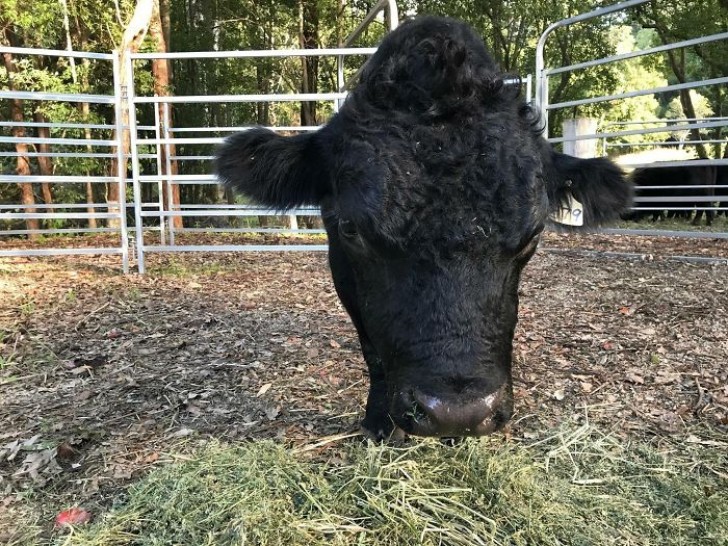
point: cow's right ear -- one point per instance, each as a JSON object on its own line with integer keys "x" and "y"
{"x": 273, "y": 170}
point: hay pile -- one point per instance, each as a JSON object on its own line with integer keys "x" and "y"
{"x": 578, "y": 486}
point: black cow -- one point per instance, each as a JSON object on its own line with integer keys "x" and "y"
{"x": 434, "y": 185}
{"x": 681, "y": 175}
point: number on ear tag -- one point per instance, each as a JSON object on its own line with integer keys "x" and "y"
{"x": 570, "y": 213}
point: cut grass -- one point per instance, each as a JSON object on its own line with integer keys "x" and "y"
{"x": 578, "y": 487}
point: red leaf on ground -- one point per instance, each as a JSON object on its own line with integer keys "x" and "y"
{"x": 72, "y": 516}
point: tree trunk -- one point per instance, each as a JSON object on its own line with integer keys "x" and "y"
{"x": 69, "y": 43}
{"x": 130, "y": 42}
{"x": 308, "y": 39}
{"x": 90, "y": 200}
{"x": 85, "y": 109}
{"x": 678, "y": 68}
{"x": 22, "y": 166}
{"x": 166, "y": 22}
{"x": 45, "y": 163}
{"x": 162, "y": 85}
{"x": 262, "y": 108}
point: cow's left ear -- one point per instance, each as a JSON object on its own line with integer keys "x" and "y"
{"x": 585, "y": 192}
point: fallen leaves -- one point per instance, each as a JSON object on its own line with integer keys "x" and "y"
{"x": 71, "y": 517}
{"x": 262, "y": 348}
{"x": 68, "y": 457}
{"x": 635, "y": 378}
{"x": 264, "y": 389}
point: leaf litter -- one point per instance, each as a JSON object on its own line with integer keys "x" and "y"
{"x": 104, "y": 377}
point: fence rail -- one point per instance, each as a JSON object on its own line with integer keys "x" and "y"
{"x": 151, "y": 156}
{"x": 162, "y": 157}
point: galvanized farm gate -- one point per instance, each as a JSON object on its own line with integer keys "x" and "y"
{"x": 151, "y": 155}
{"x": 90, "y": 141}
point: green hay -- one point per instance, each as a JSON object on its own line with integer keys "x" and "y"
{"x": 578, "y": 488}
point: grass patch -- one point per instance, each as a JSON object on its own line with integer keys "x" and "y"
{"x": 578, "y": 487}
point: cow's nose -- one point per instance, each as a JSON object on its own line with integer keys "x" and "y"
{"x": 436, "y": 416}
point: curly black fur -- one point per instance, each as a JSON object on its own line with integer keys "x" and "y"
{"x": 434, "y": 183}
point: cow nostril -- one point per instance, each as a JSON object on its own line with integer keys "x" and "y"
{"x": 429, "y": 404}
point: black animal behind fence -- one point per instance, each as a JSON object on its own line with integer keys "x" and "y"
{"x": 675, "y": 201}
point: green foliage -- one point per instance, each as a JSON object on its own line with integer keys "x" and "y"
{"x": 671, "y": 21}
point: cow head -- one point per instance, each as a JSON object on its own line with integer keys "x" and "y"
{"x": 434, "y": 185}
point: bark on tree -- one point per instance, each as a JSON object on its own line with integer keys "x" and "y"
{"x": 263, "y": 80}
{"x": 308, "y": 39}
{"x": 45, "y": 163}
{"x": 131, "y": 40}
{"x": 308, "y": 26}
{"x": 85, "y": 110}
{"x": 22, "y": 165}
{"x": 678, "y": 68}
{"x": 166, "y": 21}
{"x": 69, "y": 43}
{"x": 262, "y": 109}
{"x": 162, "y": 72}
{"x": 90, "y": 200}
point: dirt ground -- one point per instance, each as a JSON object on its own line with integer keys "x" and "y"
{"x": 103, "y": 376}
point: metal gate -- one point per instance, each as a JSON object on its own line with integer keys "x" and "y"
{"x": 152, "y": 156}
{"x": 151, "y": 179}
{"x": 651, "y": 198}
{"x": 95, "y": 142}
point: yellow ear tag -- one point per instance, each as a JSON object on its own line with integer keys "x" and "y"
{"x": 570, "y": 213}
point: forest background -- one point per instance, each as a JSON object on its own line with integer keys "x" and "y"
{"x": 510, "y": 29}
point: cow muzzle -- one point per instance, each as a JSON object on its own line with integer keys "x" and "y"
{"x": 423, "y": 414}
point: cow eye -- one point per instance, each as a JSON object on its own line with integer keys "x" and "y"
{"x": 347, "y": 228}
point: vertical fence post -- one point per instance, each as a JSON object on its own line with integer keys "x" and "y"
{"x": 119, "y": 99}
{"x": 577, "y": 127}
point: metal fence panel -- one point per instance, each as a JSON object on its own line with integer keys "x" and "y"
{"x": 150, "y": 159}
{"x": 668, "y": 194}
{"x": 89, "y": 140}
{"x": 164, "y": 156}
{"x": 185, "y": 147}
